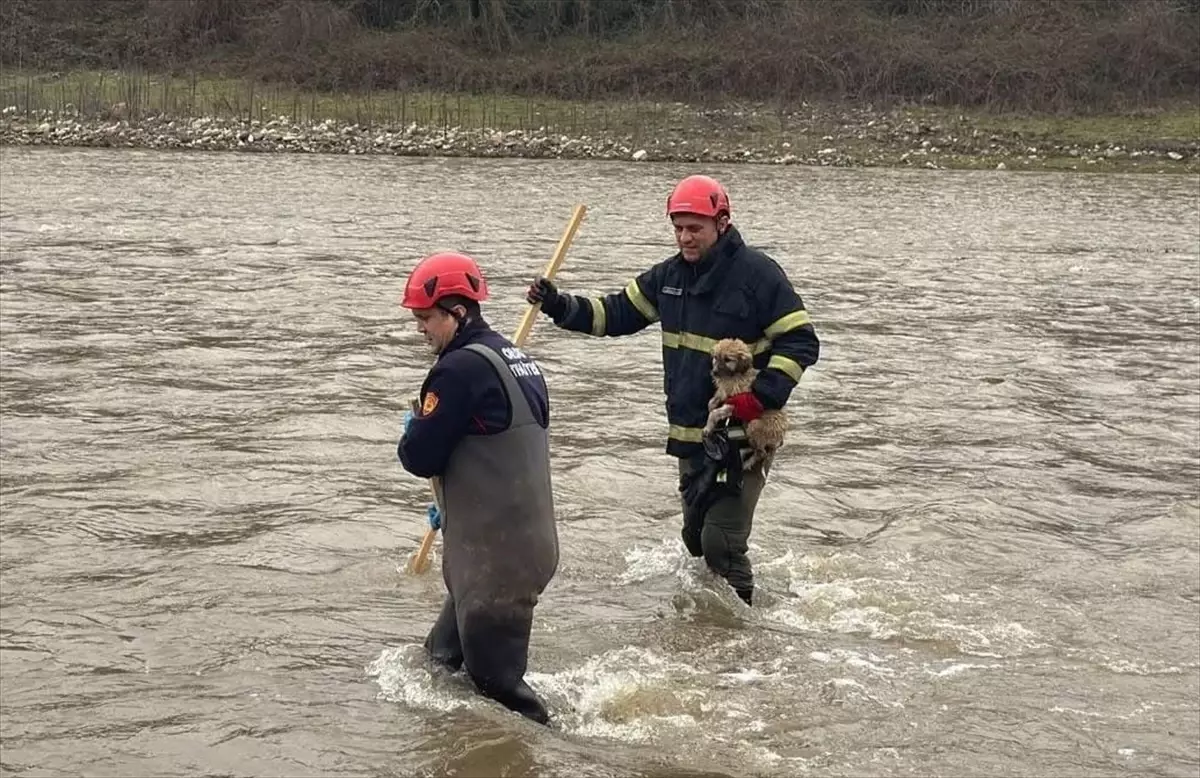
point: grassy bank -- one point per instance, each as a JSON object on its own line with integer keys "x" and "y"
{"x": 134, "y": 95}
{"x": 1037, "y": 56}
{"x": 1027, "y": 84}
{"x": 137, "y": 108}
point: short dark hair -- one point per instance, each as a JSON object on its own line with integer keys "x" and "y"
{"x": 451, "y": 300}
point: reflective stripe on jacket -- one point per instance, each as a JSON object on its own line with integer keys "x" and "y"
{"x": 735, "y": 291}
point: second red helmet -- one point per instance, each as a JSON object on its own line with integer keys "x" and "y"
{"x": 700, "y": 195}
{"x": 442, "y": 274}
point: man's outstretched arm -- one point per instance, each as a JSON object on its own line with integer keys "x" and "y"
{"x": 619, "y": 313}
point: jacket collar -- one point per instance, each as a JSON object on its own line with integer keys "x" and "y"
{"x": 711, "y": 269}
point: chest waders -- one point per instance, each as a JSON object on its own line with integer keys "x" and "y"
{"x": 500, "y": 550}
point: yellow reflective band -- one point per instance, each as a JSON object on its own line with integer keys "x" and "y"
{"x": 688, "y": 340}
{"x": 786, "y": 365}
{"x": 644, "y": 306}
{"x": 792, "y": 321}
{"x": 686, "y": 434}
{"x": 599, "y": 317}
{"x": 702, "y": 343}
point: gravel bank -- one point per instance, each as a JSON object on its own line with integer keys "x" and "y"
{"x": 858, "y": 139}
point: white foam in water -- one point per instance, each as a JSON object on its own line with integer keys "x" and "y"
{"x": 668, "y": 558}
{"x": 870, "y": 621}
{"x": 954, "y": 668}
{"x": 749, "y": 676}
{"x": 627, "y": 694}
{"x": 872, "y": 663}
{"x": 1140, "y": 710}
{"x": 1086, "y": 713}
{"x": 883, "y": 608}
{"x": 407, "y": 676}
{"x": 1125, "y": 667}
{"x": 818, "y": 606}
{"x": 697, "y": 584}
{"x": 633, "y": 694}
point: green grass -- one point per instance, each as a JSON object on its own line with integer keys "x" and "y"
{"x": 95, "y": 93}
{"x": 1173, "y": 124}
{"x": 761, "y": 128}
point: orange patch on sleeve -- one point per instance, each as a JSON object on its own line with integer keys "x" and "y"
{"x": 430, "y": 404}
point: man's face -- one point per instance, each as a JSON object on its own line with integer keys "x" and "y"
{"x": 438, "y": 326}
{"x": 696, "y": 234}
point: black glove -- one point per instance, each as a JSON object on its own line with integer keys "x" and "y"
{"x": 554, "y": 303}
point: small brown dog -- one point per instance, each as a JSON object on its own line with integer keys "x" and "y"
{"x": 733, "y": 372}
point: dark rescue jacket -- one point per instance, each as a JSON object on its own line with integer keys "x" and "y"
{"x": 734, "y": 291}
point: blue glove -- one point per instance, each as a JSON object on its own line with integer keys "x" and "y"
{"x": 408, "y": 420}
{"x": 435, "y": 516}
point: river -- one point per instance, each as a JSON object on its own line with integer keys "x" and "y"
{"x": 979, "y": 550}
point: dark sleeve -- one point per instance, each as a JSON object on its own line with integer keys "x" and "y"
{"x": 794, "y": 343}
{"x": 425, "y": 449}
{"x": 620, "y": 313}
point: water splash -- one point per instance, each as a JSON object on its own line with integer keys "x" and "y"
{"x": 631, "y": 695}
{"x": 406, "y": 675}
{"x": 628, "y": 694}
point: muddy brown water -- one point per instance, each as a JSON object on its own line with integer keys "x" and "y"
{"x": 979, "y": 549}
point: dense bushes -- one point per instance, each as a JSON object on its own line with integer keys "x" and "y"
{"x": 1073, "y": 55}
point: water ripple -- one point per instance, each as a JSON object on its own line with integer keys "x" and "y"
{"x": 979, "y": 543}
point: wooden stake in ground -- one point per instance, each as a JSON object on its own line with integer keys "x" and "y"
{"x": 419, "y": 562}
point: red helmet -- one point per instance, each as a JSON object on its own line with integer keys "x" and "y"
{"x": 699, "y": 195}
{"x": 442, "y": 274}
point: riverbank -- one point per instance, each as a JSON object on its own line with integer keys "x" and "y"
{"x": 94, "y": 110}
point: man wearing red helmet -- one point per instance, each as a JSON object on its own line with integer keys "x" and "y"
{"x": 715, "y": 287}
{"x": 482, "y": 428}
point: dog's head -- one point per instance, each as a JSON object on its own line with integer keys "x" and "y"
{"x": 731, "y": 357}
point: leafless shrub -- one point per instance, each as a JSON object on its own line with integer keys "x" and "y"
{"x": 1022, "y": 54}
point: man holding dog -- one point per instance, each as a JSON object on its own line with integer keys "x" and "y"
{"x": 714, "y": 287}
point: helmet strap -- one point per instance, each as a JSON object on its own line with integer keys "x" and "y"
{"x": 459, "y": 318}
